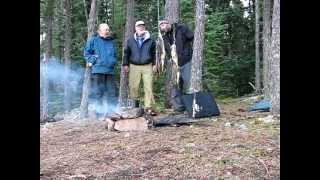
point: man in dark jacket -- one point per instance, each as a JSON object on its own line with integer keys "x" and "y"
{"x": 100, "y": 54}
{"x": 183, "y": 39}
{"x": 139, "y": 56}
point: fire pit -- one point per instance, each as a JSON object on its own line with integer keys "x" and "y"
{"x": 131, "y": 119}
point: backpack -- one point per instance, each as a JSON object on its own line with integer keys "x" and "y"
{"x": 205, "y": 105}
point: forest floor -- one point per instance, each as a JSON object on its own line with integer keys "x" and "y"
{"x": 236, "y": 145}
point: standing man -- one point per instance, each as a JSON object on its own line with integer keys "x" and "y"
{"x": 139, "y": 57}
{"x": 100, "y": 54}
{"x": 183, "y": 38}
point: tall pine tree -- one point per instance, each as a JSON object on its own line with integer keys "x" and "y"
{"x": 274, "y": 72}
{"x": 67, "y": 56}
{"x": 257, "y": 48}
{"x": 129, "y": 27}
{"x": 49, "y": 11}
{"x": 172, "y": 14}
{"x": 198, "y": 44}
{"x": 86, "y": 84}
{"x": 266, "y": 45}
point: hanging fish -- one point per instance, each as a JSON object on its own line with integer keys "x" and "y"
{"x": 162, "y": 51}
{"x": 174, "y": 58}
{"x": 157, "y": 58}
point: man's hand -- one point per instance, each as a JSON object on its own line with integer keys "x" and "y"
{"x": 154, "y": 68}
{"x": 126, "y": 69}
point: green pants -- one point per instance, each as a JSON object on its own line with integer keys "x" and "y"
{"x": 135, "y": 74}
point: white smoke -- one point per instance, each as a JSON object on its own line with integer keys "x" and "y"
{"x": 106, "y": 108}
{"x": 54, "y": 72}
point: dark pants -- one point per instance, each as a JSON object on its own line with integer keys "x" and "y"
{"x": 103, "y": 89}
{"x": 185, "y": 77}
{"x": 183, "y": 87}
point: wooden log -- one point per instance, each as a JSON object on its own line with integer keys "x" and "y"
{"x": 136, "y": 124}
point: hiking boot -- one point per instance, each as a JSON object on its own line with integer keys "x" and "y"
{"x": 140, "y": 112}
{"x": 149, "y": 119}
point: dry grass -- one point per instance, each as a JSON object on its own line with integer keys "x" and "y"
{"x": 83, "y": 149}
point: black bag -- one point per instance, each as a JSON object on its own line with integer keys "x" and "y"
{"x": 206, "y": 104}
{"x": 175, "y": 99}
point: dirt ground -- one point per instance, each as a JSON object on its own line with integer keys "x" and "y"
{"x": 235, "y": 145}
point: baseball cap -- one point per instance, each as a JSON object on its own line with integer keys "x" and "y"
{"x": 139, "y": 23}
{"x": 163, "y": 21}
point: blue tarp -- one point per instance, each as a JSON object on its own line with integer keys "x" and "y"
{"x": 263, "y": 105}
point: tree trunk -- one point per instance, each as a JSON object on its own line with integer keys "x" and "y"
{"x": 172, "y": 14}
{"x": 67, "y": 56}
{"x": 257, "y": 43}
{"x": 113, "y": 11}
{"x": 274, "y": 72}
{"x": 109, "y": 9}
{"x": 198, "y": 44}
{"x": 129, "y": 27}
{"x": 266, "y": 44}
{"x": 172, "y": 11}
{"x": 86, "y": 84}
{"x": 85, "y": 9}
{"x": 45, "y": 96}
{"x": 61, "y": 30}
{"x": 49, "y": 37}
{"x": 47, "y": 56}
{"x": 251, "y": 6}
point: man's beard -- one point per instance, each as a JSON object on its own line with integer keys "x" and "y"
{"x": 141, "y": 34}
